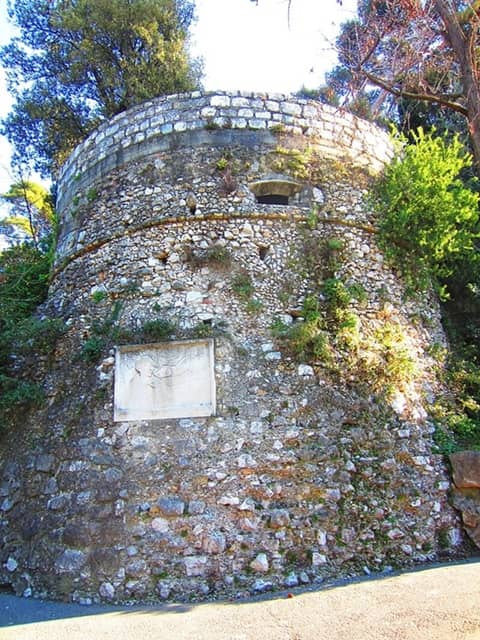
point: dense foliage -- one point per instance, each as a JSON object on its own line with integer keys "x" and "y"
{"x": 24, "y": 272}
{"x": 77, "y": 62}
{"x": 429, "y": 228}
{"x": 428, "y": 217}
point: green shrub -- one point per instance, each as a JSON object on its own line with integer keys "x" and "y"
{"x": 242, "y": 285}
{"x": 202, "y": 330}
{"x": 218, "y": 254}
{"x": 309, "y": 342}
{"x": 335, "y": 244}
{"x": 458, "y": 417}
{"x": 392, "y": 365}
{"x": 15, "y": 393}
{"x": 254, "y": 306}
{"x": 279, "y": 328}
{"x": 93, "y": 348}
{"x": 337, "y": 294}
{"x": 33, "y": 335}
{"x": 24, "y": 273}
{"x": 222, "y": 164}
{"x": 160, "y": 329}
{"x": 428, "y": 218}
{"x": 306, "y": 340}
{"x": 99, "y": 295}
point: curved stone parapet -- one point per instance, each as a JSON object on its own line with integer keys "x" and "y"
{"x": 149, "y": 127}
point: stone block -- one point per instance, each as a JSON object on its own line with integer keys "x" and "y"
{"x": 195, "y": 565}
{"x": 44, "y": 462}
{"x": 260, "y": 563}
{"x": 214, "y": 542}
{"x": 70, "y": 561}
{"x": 220, "y": 101}
{"x": 171, "y": 506}
{"x": 279, "y": 519}
{"x": 466, "y": 469}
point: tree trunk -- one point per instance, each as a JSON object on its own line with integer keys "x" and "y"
{"x": 462, "y": 42}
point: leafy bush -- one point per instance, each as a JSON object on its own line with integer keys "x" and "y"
{"x": 242, "y": 285}
{"x": 33, "y": 334}
{"x": 458, "y": 417}
{"x": 24, "y": 272}
{"x": 306, "y": 340}
{"x": 92, "y": 348}
{"x": 15, "y": 393}
{"x": 397, "y": 366}
{"x": 428, "y": 218}
{"x": 160, "y": 329}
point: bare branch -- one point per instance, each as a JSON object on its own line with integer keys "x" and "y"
{"x": 403, "y": 93}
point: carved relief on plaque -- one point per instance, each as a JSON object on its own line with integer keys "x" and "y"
{"x": 165, "y": 380}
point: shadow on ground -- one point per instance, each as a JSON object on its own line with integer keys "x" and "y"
{"x": 15, "y": 610}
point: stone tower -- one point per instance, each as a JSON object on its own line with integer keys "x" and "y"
{"x": 240, "y": 400}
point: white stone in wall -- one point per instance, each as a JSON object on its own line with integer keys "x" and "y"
{"x": 239, "y": 123}
{"x": 291, "y": 108}
{"x": 208, "y": 112}
{"x": 256, "y": 123}
{"x": 195, "y": 565}
{"x": 260, "y": 564}
{"x": 305, "y": 370}
{"x": 240, "y": 102}
{"x": 220, "y": 101}
{"x": 272, "y": 106}
{"x": 245, "y": 113}
{"x": 318, "y": 559}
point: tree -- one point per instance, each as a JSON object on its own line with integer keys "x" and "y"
{"x": 428, "y": 218}
{"x": 78, "y": 62}
{"x": 425, "y": 50}
{"x": 343, "y": 88}
{"x": 32, "y": 216}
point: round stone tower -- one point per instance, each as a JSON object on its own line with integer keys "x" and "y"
{"x": 240, "y": 400}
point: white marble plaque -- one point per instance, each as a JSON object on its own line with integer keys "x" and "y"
{"x": 164, "y": 380}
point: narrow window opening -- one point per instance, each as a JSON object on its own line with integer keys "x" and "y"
{"x": 207, "y": 322}
{"x": 272, "y": 198}
{"x": 191, "y": 203}
{"x": 163, "y": 257}
{"x": 263, "y": 252}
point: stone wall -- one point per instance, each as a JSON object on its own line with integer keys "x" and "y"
{"x": 147, "y": 128}
{"x": 310, "y": 467}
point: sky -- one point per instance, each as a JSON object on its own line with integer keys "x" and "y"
{"x": 244, "y": 45}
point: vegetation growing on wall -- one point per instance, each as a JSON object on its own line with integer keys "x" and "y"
{"x": 104, "y": 335}
{"x": 330, "y": 335}
{"x": 429, "y": 229}
{"x": 306, "y": 165}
